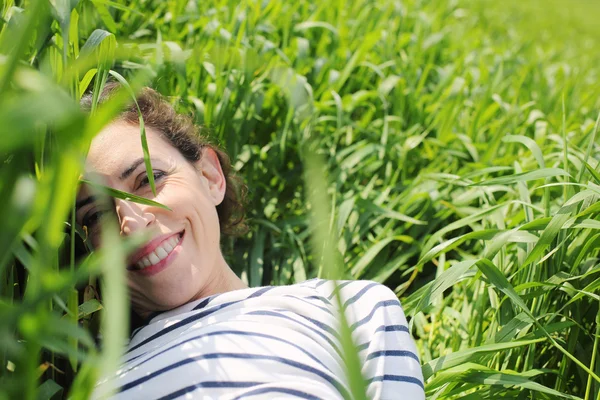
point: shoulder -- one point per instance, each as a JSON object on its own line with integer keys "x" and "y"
{"x": 355, "y": 293}
{"x": 369, "y": 307}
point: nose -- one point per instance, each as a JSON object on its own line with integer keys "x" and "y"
{"x": 133, "y": 217}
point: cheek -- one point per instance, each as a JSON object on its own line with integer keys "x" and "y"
{"x": 192, "y": 208}
{"x": 186, "y": 195}
{"x": 94, "y": 237}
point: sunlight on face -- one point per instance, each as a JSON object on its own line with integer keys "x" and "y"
{"x": 183, "y": 255}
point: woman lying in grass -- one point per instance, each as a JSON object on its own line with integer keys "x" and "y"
{"x": 206, "y": 334}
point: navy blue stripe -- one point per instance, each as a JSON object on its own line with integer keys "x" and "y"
{"x": 133, "y": 358}
{"x": 323, "y": 299}
{"x": 393, "y": 353}
{"x": 199, "y": 306}
{"x": 357, "y": 296}
{"x": 292, "y": 392}
{"x": 279, "y": 315}
{"x": 211, "y": 356}
{"x": 182, "y": 323}
{"x": 398, "y": 378}
{"x": 203, "y": 303}
{"x": 211, "y": 385}
{"x": 136, "y": 330}
{"x": 260, "y": 292}
{"x": 385, "y": 303}
{"x": 320, "y": 324}
{"x": 339, "y": 287}
{"x": 321, "y": 282}
{"x": 257, "y": 293}
{"x": 311, "y": 280}
{"x": 145, "y": 323}
{"x": 308, "y": 302}
{"x": 195, "y": 317}
{"x": 392, "y": 328}
{"x": 229, "y": 332}
{"x": 363, "y": 346}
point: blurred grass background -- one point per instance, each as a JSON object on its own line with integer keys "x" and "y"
{"x": 461, "y": 149}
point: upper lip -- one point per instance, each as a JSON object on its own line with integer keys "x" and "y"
{"x": 149, "y": 247}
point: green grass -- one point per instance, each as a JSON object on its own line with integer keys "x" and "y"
{"x": 462, "y": 156}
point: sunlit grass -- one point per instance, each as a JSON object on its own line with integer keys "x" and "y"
{"x": 461, "y": 148}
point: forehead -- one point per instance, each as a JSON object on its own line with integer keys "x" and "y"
{"x": 119, "y": 144}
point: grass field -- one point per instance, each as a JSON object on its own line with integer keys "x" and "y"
{"x": 455, "y": 141}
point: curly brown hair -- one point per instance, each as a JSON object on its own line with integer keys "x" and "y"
{"x": 189, "y": 139}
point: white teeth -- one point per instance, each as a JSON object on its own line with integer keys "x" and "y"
{"x": 159, "y": 254}
{"x": 153, "y": 258}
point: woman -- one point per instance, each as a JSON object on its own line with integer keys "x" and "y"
{"x": 207, "y": 334}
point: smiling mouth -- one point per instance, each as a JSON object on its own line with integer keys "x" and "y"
{"x": 158, "y": 254}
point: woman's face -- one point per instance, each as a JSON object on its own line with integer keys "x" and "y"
{"x": 183, "y": 256}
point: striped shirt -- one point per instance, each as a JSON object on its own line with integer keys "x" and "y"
{"x": 274, "y": 342}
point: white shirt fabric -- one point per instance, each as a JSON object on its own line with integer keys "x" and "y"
{"x": 274, "y": 342}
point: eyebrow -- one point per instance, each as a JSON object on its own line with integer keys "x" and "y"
{"x": 125, "y": 174}
{"x": 84, "y": 202}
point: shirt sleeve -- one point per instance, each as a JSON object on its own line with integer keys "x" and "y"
{"x": 388, "y": 354}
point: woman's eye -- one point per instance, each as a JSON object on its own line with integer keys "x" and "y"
{"x": 92, "y": 218}
{"x": 156, "y": 174}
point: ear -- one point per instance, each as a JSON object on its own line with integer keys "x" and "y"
{"x": 209, "y": 167}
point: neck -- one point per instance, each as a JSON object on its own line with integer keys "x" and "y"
{"x": 223, "y": 280}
